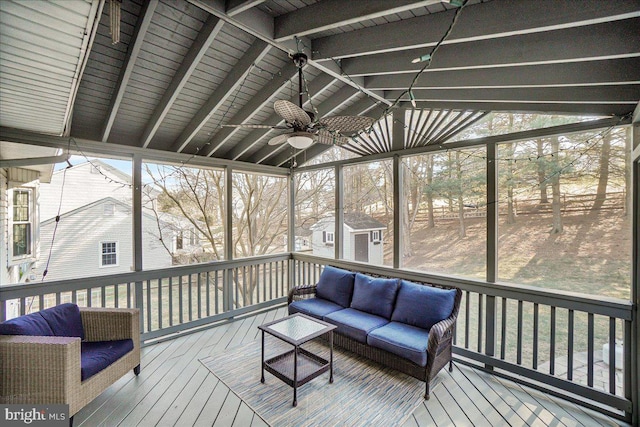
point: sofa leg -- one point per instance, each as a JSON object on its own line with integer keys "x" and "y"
{"x": 136, "y": 370}
{"x": 451, "y": 365}
{"x": 71, "y": 421}
{"x": 426, "y": 393}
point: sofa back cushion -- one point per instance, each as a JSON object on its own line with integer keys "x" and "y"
{"x": 31, "y": 324}
{"x": 374, "y": 295}
{"x": 421, "y": 305}
{"x": 61, "y": 321}
{"x": 65, "y": 320}
{"x": 335, "y": 285}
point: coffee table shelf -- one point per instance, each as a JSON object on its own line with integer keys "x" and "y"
{"x": 309, "y": 366}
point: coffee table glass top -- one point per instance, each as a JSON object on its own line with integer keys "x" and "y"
{"x": 297, "y": 327}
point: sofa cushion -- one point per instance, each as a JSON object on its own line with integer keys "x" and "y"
{"x": 64, "y": 320}
{"x": 95, "y": 356}
{"x": 422, "y": 306}
{"x": 31, "y": 324}
{"x": 316, "y": 307}
{"x": 406, "y": 341}
{"x": 335, "y": 285}
{"x": 355, "y": 324}
{"x": 374, "y": 295}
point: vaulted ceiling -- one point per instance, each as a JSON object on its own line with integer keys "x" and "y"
{"x": 183, "y": 69}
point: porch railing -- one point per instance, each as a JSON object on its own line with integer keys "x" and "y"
{"x": 553, "y": 341}
{"x": 170, "y": 300}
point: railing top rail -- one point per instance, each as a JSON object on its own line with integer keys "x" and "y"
{"x": 39, "y": 288}
{"x": 601, "y": 305}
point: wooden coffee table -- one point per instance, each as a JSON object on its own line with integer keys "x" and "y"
{"x": 297, "y": 366}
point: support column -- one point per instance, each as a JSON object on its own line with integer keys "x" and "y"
{"x": 632, "y": 382}
{"x": 227, "y": 303}
{"x": 398, "y": 143}
{"x": 339, "y": 213}
{"x": 492, "y": 247}
{"x": 291, "y": 228}
{"x": 136, "y": 194}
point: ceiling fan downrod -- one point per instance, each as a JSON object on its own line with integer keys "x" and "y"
{"x": 299, "y": 59}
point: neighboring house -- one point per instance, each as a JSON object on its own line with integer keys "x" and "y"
{"x": 302, "y": 242}
{"x": 19, "y": 208}
{"x": 107, "y": 249}
{"x": 363, "y": 238}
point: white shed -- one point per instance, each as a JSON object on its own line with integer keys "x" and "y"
{"x": 363, "y": 238}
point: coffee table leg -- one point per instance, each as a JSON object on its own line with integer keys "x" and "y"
{"x": 262, "y": 362}
{"x": 295, "y": 376}
{"x": 331, "y": 357}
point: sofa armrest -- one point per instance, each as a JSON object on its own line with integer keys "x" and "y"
{"x": 299, "y": 293}
{"x": 108, "y": 324}
{"x": 38, "y": 369}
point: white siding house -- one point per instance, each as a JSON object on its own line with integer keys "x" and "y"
{"x": 96, "y": 240}
{"x": 363, "y": 238}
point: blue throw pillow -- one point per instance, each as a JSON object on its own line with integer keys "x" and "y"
{"x": 31, "y": 324}
{"x": 373, "y": 295}
{"x": 64, "y": 320}
{"x": 335, "y": 285}
{"x": 423, "y": 306}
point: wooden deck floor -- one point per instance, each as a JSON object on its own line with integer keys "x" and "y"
{"x": 174, "y": 388}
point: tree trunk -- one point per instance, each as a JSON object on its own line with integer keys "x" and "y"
{"x": 406, "y": 222}
{"x": 603, "y": 172}
{"x": 463, "y": 231}
{"x": 555, "y": 188}
{"x": 430, "y": 161}
{"x": 627, "y": 174}
{"x": 511, "y": 212}
{"x": 542, "y": 183}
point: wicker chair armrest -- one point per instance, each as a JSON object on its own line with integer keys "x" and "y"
{"x": 109, "y": 324}
{"x": 38, "y": 369}
{"x": 440, "y": 333}
{"x": 298, "y": 292}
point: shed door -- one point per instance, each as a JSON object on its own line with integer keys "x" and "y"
{"x": 362, "y": 247}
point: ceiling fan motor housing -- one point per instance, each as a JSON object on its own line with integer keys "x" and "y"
{"x": 299, "y": 59}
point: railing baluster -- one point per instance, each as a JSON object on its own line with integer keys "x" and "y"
{"x": 612, "y": 355}
{"x": 519, "y": 343}
{"x": 552, "y": 344}
{"x": 570, "y": 347}
{"x": 503, "y": 329}
{"x": 148, "y": 309}
{"x": 170, "y": 301}
{"x": 129, "y": 300}
{"x": 190, "y": 299}
{"x": 199, "y": 296}
{"x": 236, "y": 283}
{"x": 103, "y": 296}
{"x": 89, "y": 298}
{"x": 264, "y": 281}
{"x": 116, "y": 297}
{"x": 270, "y": 280}
{"x": 466, "y": 319}
{"x": 208, "y": 294}
{"x": 536, "y": 318}
{"x": 74, "y": 297}
{"x": 23, "y": 306}
{"x": 215, "y": 287}
{"x": 58, "y": 298}
{"x": 180, "y": 306}
{"x": 159, "y": 282}
{"x": 590, "y": 344}
{"x": 480, "y": 328}
{"x": 41, "y": 302}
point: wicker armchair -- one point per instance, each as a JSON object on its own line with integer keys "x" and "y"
{"x": 439, "y": 345}
{"x": 46, "y": 369}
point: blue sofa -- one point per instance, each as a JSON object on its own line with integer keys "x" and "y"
{"x": 405, "y": 325}
{"x": 66, "y": 354}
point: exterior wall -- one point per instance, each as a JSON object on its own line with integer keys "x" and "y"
{"x": 349, "y": 244}
{"x": 81, "y": 187}
{"x": 4, "y": 228}
{"x": 76, "y": 252}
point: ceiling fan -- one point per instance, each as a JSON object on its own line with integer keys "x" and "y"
{"x": 305, "y": 129}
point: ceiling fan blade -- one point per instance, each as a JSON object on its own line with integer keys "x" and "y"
{"x": 346, "y": 124}
{"x": 248, "y": 126}
{"x": 329, "y": 138}
{"x": 291, "y": 113}
{"x": 277, "y": 140}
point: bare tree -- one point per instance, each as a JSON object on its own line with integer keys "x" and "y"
{"x": 556, "y": 228}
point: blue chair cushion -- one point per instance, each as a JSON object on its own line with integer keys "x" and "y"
{"x": 316, "y": 307}
{"x": 335, "y": 285}
{"x": 95, "y": 356}
{"x": 65, "y": 320}
{"x": 355, "y": 324}
{"x": 406, "y": 341}
{"x": 422, "y": 306}
{"x": 374, "y": 295}
{"x": 31, "y": 324}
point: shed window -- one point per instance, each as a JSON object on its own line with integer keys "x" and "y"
{"x": 375, "y": 236}
{"x": 109, "y": 254}
{"x": 327, "y": 237}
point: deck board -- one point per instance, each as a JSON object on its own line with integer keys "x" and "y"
{"x": 175, "y": 389}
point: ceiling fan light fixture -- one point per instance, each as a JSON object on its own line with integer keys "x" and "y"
{"x": 300, "y": 141}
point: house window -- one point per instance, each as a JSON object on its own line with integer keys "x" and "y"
{"x": 179, "y": 241}
{"x": 375, "y": 236}
{"x": 22, "y": 223}
{"x": 328, "y": 238}
{"x": 109, "y": 209}
{"x": 108, "y": 254}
